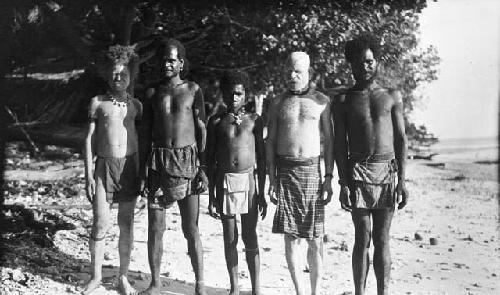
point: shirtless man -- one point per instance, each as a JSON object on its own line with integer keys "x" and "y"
{"x": 172, "y": 143}
{"x": 296, "y": 120}
{"x": 112, "y": 137}
{"x": 369, "y": 135}
{"x": 234, "y": 145}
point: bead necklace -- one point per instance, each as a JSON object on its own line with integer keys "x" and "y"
{"x": 119, "y": 103}
{"x": 237, "y": 117}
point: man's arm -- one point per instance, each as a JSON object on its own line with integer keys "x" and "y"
{"x": 211, "y": 164}
{"x": 327, "y": 130}
{"x": 199, "y": 123}
{"x": 89, "y": 149}
{"x": 340, "y": 149}
{"x": 146, "y": 132}
{"x": 260, "y": 153}
{"x": 271, "y": 142}
{"x": 400, "y": 145}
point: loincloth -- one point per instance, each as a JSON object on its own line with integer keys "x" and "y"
{"x": 119, "y": 176}
{"x": 373, "y": 181}
{"x": 235, "y": 192}
{"x": 170, "y": 174}
{"x": 300, "y": 210}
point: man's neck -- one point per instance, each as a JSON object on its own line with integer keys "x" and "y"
{"x": 119, "y": 95}
{"x": 365, "y": 85}
{"x": 174, "y": 81}
{"x": 236, "y": 111}
{"x": 299, "y": 92}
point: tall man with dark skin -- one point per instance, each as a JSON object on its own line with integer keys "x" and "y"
{"x": 370, "y": 149}
{"x": 172, "y": 144}
{"x": 234, "y": 145}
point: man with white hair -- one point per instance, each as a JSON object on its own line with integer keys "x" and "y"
{"x": 297, "y": 118}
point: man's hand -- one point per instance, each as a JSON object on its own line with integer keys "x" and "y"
{"x": 272, "y": 194}
{"x": 262, "y": 205}
{"x": 201, "y": 181}
{"x": 345, "y": 201}
{"x": 213, "y": 207}
{"x": 327, "y": 187}
{"x": 401, "y": 195}
{"x": 90, "y": 189}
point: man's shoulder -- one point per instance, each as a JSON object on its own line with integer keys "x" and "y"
{"x": 98, "y": 99}
{"x": 320, "y": 97}
{"x": 193, "y": 86}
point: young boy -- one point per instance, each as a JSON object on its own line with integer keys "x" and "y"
{"x": 112, "y": 137}
{"x": 234, "y": 145}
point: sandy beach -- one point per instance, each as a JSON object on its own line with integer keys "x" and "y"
{"x": 454, "y": 200}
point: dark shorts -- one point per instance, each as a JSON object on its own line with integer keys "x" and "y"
{"x": 373, "y": 184}
{"x": 119, "y": 176}
{"x": 221, "y": 193}
{"x": 170, "y": 174}
{"x": 300, "y": 211}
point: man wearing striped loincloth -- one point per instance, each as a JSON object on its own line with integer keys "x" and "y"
{"x": 297, "y": 118}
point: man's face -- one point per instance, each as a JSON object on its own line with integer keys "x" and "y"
{"x": 172, "y": 65}
{"x": 365, "y": 68}
{"x": 234, "y": 96}
{"x": 119, "y": 78}
{"x": 296, "y": 75}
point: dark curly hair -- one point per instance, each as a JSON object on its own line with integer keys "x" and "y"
{"x": 356, "y": 47}
{"x": 163, "y": 48}
{"x": 230, "y": 78}
{"x": 118, "y": 55}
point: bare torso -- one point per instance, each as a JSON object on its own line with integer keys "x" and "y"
{"x": 298, "y": 124}
{"x": 173, "y": 115}
{"x": 116, "y": 134}
{"x": 369, "y": 124}
{"x": 235, "y": 144}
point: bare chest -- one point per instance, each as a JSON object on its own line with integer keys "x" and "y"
{"x": 174, "y": 102}
{"x": 369, "y": 105}
{"x": 112, "y": 112}
{"x": 300, "y": 110}
{"x": 230, "y": 130}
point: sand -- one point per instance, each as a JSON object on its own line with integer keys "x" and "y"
{"x": 454, "y": 199}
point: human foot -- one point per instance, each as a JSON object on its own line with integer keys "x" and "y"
{"x": 151, "y": 290}
{"x": 200, "y": 288}
{"x": 91, "y": 285}
{"x": 124, "y": 286}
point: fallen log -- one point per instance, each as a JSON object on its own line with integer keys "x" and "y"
{"x": 60, "y": 134}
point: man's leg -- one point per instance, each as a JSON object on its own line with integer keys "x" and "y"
{"x": 189, "y": 209}
{"x": 381, "y": 255}
{"x": 292, "y": 259}
{"x": 315, "y": 261}
{"x": 360, "y": 252}
{"x": 156, "y": 228}
{"x": 230, "y": 251}
{"x": 100, "y": 225}
{"x": 249, "y": 236}
{"x": 125, "y": 242}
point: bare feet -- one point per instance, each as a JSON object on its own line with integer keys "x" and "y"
{"x": 91, "y": 285}
{"x": 124, "y": 286}
{"x": 200, "y": 288}
{"x": 151, "y": 290}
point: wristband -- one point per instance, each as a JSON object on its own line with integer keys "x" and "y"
{"x": 342, "y": 182}
{"x": 329, "y": 175}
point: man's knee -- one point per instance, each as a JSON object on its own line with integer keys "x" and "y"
{"x": 156, "y": 218}
{"x": 99, "y": 230}
{"x": 315, "y": 245}
{"x": 380, "y": 241}
{"x": 363, "y": 238}
{"x": 190, "y": 230}
{"x": 249, "y": 238}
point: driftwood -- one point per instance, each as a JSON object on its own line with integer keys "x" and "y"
{"x": 27, "y": 137}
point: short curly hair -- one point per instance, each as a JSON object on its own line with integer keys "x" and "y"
{"x": 163, "y": 47}
{"x": 230, "y": 78}
{"x": 356, "y": 47}
{"x": 118, "y": 55}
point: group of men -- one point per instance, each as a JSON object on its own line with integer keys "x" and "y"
{"x": 174, "y": 153}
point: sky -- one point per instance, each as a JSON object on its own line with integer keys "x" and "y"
{"x": 464, "y": 101}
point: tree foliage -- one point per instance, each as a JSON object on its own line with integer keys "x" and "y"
{"x": 252, "y": 35}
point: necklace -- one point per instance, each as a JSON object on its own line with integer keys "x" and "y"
{"x": 237, "y": 117}
{"x": 119, "y": 103}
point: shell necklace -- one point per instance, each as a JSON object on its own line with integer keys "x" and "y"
{"x": 119, "y": 103}
{"x": 237, "y": 116}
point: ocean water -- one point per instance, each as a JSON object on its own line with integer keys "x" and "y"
{"x": 472, "y": 148}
